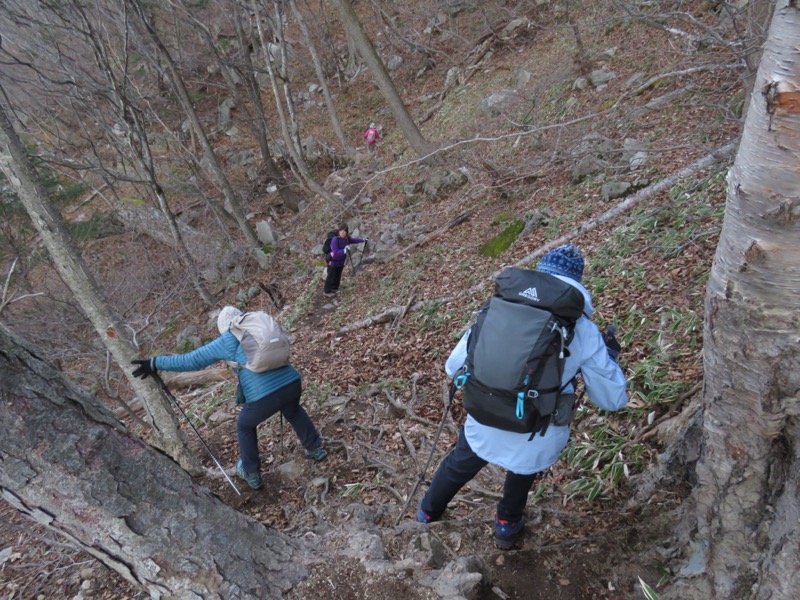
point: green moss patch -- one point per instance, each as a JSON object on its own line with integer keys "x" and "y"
{"x": 499, "y": 244}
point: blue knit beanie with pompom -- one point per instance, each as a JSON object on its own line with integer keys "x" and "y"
{"x": 565, "y": 260}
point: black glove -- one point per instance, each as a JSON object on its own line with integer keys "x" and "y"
{"x": 612, "y": 345}
{"x": 145, "y": 368}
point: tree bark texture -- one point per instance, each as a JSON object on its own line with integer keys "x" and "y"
{"x": 747, "y": 541}
{"x": 382, "y": 79}
{"x": 70, "y": 465}
{"x": 115, "y": 335}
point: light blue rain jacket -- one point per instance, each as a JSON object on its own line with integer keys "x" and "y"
{"x": 602, "y": 377}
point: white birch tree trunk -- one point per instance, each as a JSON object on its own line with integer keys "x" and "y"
{"x": 747, "y": 520}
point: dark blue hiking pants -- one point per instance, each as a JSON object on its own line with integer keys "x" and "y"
{"x": 287, "y": 401}
{"x": 458, "y": 468}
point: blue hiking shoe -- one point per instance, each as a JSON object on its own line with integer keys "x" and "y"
{"x": 507, "y": 532}
{"x": 423, "y": 517}
{"x": 317, "y": 454}
{"x": 252, "y": 479}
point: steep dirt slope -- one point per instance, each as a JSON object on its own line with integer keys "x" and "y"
{"x": 376, "y": 391}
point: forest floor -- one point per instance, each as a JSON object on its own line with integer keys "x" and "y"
{"x": 376, "y": 392}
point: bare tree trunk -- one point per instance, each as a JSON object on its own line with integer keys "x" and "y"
{"x": 140, "y": 147}
{"x": 246, "y": 73}
{"x": 121, "y": 501}
{"x": 382, "y": 79}
{"x": 233, "y": 204}
{"x": 290, "y": 135}
{"x": 747, "y": 534}
{"x": 115, "y": 334}
{"x": 323, "y": 81}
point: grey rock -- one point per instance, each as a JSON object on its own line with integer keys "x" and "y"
{"x": 293, "y": 470}
{"x": 594, "y": 143}
{"x": 187, "y": 340}
{"x": 498, "y": 103}
{"x": 221, "y": 415}
{"x": 588, "y": 165}
{"x": 581, "y": 83}
{"x": 441, "y": 183}
{"x": 600, "y": 77}
{"x": 634, "y": 153}
{"x": 460, "y": 578}
{"x": 454, "y": 77}
{"x": 614, "y": 189}
{"x": 265, "y": 234}
{"x": 394, "y": 63}
{"x": 242, "y": 159}
{"x": 513, "y": 25}
{"x": 520, "y": 79}
{"x": 225, "y": 121}
{"x": 428, "y": 550}
{"x": 634, "y": 80}
{"x": 365, "y": 545}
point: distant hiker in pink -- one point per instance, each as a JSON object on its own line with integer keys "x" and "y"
{"x": 371, "y": 136}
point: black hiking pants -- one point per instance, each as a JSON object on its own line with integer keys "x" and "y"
{"x": 333, "y": 279}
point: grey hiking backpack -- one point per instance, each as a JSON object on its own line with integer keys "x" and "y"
{"x": 265, "y": 344}
{"x": 516, "y": 353}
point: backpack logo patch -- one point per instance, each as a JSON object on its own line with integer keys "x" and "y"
{"x": 517, "y": 351}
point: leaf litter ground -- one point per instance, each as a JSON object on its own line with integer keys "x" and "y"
{"x": 376, "y": 392}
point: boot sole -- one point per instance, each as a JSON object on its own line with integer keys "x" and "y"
{"x": 505, "y": 543}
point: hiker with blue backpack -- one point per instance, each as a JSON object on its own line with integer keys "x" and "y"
{"x": 262, "y": 393}
{"x": 337, "y": 251}
{"x": 517, "y": 367}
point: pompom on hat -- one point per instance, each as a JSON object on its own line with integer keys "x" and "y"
{"x": 226, "y": 317}
{"x": 565, "y": 260}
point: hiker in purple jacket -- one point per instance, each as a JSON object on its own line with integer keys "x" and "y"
{"x": 338, "y": 258}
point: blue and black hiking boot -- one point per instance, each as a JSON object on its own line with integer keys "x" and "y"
{"x": 252, "y": 479}
{"x": 507, "y": 532}
{"x": 317, "y": 454}
{"x": 423, "y": 517}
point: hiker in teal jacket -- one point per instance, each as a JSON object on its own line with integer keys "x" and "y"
{"x": 263, "y": 394}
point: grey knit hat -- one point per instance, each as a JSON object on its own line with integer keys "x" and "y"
{"x": 226, "y": 317}
{"x": 565, "y": 260}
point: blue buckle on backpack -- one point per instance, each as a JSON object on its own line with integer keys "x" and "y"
{"x": 520, "y": 405}
{"x": 461, "y": 380}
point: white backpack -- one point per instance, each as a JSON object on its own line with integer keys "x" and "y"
{"x": 264, "y": 343}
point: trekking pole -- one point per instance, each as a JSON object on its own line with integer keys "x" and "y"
{"x": 350, "y": 258}
{"x": 448, "y": 400}
{"x": 202, "y": 441}
{"x": 281, "y": 435}
{"x": 364, "y": 251}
